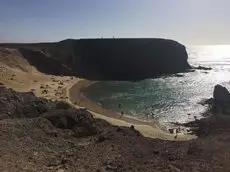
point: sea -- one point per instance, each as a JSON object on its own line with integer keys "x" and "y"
{"x": 168, "y": 99}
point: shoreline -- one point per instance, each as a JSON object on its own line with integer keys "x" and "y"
{"x": 81, "y": 100}
{"x": 148, "y": 129}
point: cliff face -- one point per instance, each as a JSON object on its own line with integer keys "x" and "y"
{"x": 112, "y": 59}
{"x": 124, "y": 59}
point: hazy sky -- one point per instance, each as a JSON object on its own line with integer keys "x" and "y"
{"x": 188, "y": 21}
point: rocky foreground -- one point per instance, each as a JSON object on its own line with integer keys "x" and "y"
{"x": 43, "y": 135}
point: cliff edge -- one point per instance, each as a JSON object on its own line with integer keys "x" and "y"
{"x": 107, "y": 59}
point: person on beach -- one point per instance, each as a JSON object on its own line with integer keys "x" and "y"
{"x": 176, "y": 132}
{"x": 122, "y": 113}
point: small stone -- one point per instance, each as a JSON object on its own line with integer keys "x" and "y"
{"x": 108, "y": 167}
{"x": 35, "y": 153}
{"x": 156, "y": 152}
{"x": 86, "y": 167}
{"x": 101, "y": 138}
{"x": 44, "y": 91}
{"x": 132, "y": 127}
{"x": 64, "y": 161}
{"x": 119, "y": 129}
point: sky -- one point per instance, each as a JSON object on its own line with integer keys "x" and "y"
{"x": 191, "y": 22}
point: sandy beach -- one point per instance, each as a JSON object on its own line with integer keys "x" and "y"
{"x": 148, "y": 129}
{"x": 69, "y": 89}
{"x": 19, "y": 75}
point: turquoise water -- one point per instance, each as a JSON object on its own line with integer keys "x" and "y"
{"x": 168, "y": 99}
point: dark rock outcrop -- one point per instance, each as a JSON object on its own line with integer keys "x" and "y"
{"x": 221, "y": 94}
{"x": 220, "y": 103}
{"x": 110, "y": 59}
{"x": 132, "y": 59}
{"x": 202, "y": 68}
{"x": 44, "y": 62}
{"x": 62, "y": 105}
{"x": 80, "y": 121}
{"x": 19, "y": 105}
{"x": 61, "y": 114}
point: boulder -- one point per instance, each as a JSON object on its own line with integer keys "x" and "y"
{"x": 20, "y": 105}
{"x": 221, "y": 94}
{"x": 80, "y": 121}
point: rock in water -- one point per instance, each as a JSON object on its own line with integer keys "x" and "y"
{"x": 221, "y": 94}
{"x": 203, "y": 68}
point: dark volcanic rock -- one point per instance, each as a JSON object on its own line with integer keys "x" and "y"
{"x": 202, "y": 68}
{"x": 18, "y": 105}
{"x": 61, "y": 114}
{"x": 131, "y": 59}
{"x": 220, "y": 103}
{"x": 44, "y": 62}
{"x": 79, "y": 120}
{"x": 63, "y": 105}
{"x": 221, "y": 94}
{"x": 217, "y": 119}
{"x": 111, "y": 59}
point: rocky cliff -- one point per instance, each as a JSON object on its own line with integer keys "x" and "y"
{"x": 112, "y": 59}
